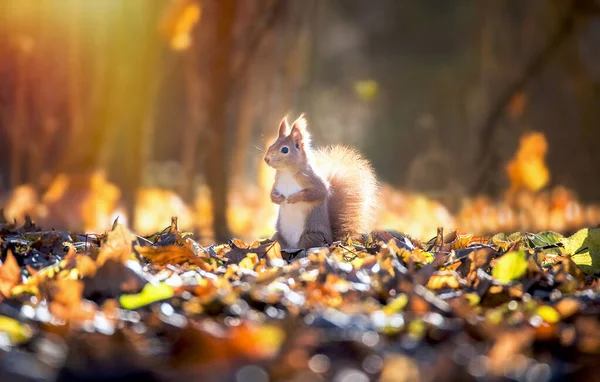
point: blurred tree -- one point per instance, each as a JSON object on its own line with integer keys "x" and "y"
{"x": 215, "y": 160}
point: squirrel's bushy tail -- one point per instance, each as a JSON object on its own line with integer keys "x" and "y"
{"x": 353, "y": 187}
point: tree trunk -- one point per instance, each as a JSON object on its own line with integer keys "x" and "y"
{"x": 215, "y": 163}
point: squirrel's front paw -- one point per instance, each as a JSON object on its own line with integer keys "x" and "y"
{"x": 294, "y": 198}
{"x": 277, "y": 198}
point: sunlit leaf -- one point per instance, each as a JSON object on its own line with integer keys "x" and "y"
{"x": 584, "y": 249}
{"x": 506, "y": 242}
{"x": 548, "y": 314}
{"x": 396, "y": 305}
{"x": 117, "y": 245}
{"x": 473, "y": 298}
{"x": 172, "y": 254}
{"x": 510, "y": 267}
{"x": 10, "y": 274}
{"x": 544, "y": 239}
{"x": 151, "y": 293}
{"x": 441, "y": 280}
{"x": 16, "y": 331}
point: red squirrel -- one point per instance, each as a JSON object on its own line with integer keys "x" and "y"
{"x": 323, "y": 195}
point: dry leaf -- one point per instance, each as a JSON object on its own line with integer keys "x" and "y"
{"x": 172, "y": 254}
{"x": 117, "y": 246}
{"x": 10, "y": 274}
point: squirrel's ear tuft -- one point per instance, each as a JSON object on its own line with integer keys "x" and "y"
{"x": 301, "y": 124}
{"x": 299, "y": 132}
{"x": 283, "y": 127}
{"x": 296, "y": 134}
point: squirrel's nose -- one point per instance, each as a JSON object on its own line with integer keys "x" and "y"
{"x": 267, "y": 160}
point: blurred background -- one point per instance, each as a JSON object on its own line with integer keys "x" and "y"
{"x": 481, "y": 116}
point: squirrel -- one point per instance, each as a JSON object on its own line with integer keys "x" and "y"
{"x": 323, "y": 195}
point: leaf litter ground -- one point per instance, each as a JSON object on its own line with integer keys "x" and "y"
{"x": 521, "y": 307}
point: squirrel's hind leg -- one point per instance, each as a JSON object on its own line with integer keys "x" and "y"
{"x": 317, "y": 229}
{"x": 312, "y": 239}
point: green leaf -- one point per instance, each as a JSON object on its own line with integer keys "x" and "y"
{"x": 151, "y": 293}
{"x": 584, "y": 248}
{"x": 15, "y": 330}
{"x": 510, "y": 267}
{"x": 544, "y": 239}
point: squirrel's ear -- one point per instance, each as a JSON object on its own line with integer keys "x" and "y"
{"x": 283, "y": 127}
{"x": 296, "y": 134}
{"x": 300, "y": 123}
{"x": 299, "y": 132}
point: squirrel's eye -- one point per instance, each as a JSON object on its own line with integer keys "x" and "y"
{"x": 297, "y": 145}
{"x": 285, "y": 150}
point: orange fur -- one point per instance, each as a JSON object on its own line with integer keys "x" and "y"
{"x": 324, "y": 196}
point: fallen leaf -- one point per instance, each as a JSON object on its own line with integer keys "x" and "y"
{"x": 172, "y": 254}
{"x": 117, "y": 245}
{"x": 10, "y": 274}
{"x": 16, "y": 331}
{"x": 151, "y": 293}
{"x": 396, "y": 305}
{"x": 510, "y": 267}
{"x": 548, "y": 314}
{"x": 584, "y": 249}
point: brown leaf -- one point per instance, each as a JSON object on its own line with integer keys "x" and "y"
{"x": 117, "y": 245}
{"x": 441, "y": 280}
{"x": 86, "y": 266}
{"x": 111, "y": 280}
{"x": 474, "y": 261}
{"x": 239, "y": 251}
{"x": 65, "y": 297}
{"x": 172, "y": 254}
{"x": 10, "y": 274}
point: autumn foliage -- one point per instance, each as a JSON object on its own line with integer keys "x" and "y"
{"x": 163, "y": 305}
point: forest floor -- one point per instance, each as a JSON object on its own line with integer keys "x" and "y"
{"x": 119, "y": 306}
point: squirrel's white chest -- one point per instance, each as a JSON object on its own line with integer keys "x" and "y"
{"x": 292, "y": 217}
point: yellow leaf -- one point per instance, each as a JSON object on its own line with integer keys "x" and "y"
{"x": 548, "y": 314}
{"x": 441, "y": 280}
{"x": 511, "y": 266}
{"x": 584, "y": 248}
{"x": 151, "y": 293}
{"x": 269, "y": 339}
{"x": 16, "y": 331}
{"x": 396, "y": 305}
{"x": 473, "y": 298}
{"x": 246, "y": 263}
